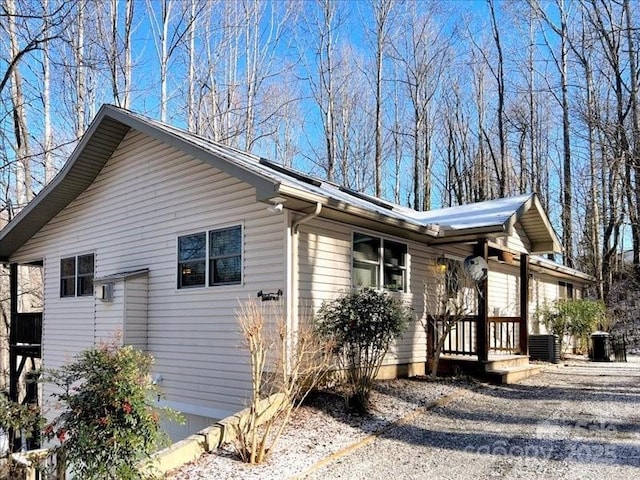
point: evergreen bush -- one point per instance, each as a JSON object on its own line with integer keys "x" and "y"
{"x": 362, "y": 324}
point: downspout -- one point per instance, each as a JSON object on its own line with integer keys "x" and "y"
{"x": 293, "y": 313}
{"x": 306, "y": 218}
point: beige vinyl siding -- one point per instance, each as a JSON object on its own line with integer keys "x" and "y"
{"x": 517, "y": 241}
{"x": 324, "y": 271}
{"x": 504, "y": 290}
{"x": 145, "y": 197}
{"x": 136, "y": 312}
{"x": 109, "y": 319}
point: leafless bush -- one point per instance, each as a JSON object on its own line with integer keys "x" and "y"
{"x": 450, "y": 297}
{"x": 288, "y": 361}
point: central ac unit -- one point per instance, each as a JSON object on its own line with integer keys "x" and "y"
{"x": 544, "y": 347}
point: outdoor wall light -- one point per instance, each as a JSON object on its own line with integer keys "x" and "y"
{"x": 442, "y": 265}
{"x": 277, "y": 205}
{"x": 277, "y": 208}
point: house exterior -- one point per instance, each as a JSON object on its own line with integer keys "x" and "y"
{"x": 158, "y": 234}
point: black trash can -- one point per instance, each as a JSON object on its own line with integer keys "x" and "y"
{"x": 600, "y": 347}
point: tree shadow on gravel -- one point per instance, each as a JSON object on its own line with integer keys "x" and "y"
{"x": 585, "y": 422}
{"x": 628, "y": 395}
{"x": 333, "y": 404}
{"x": 580, "y": 450}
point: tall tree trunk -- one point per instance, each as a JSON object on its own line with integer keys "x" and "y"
{"x": 501, "y": 167}
{"x": 567, "y": 188}
{"x": 635, "y": 134}
{"x": 127, "y": 69}
{"x": 80, "y": 64}
{"x": 164, "y": 57}
{"x": 113, "y": 52}
{"x": 382, "y": 9}
{"x": 191, "y": 78}
{"x": 24, "y": 192}
{"x": 49, "y": 168}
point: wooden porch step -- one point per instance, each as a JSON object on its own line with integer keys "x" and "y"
{"x": 507, "y": 361}
{"x": 512, "y": 374}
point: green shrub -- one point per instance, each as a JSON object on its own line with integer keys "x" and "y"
{"x": 25, "y": 419}
{"x": 109, "y": 421}
{"x": 577, "y": 318}
{"x": 361, "y": 325}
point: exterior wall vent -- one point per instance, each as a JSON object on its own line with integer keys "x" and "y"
{"x": 105, "y": 292}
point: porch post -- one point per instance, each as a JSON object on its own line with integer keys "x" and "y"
{"x": 482, "y": 341}
{"x": 524, "y": 304}
{"x": 13, "y": 332}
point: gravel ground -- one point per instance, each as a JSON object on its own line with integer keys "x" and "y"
{"x": 578, "y": 420}
{"x": 321, "y": 428}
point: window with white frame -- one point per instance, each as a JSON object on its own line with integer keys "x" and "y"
{"x": 212, "y": 258}
{"x": 76, "y": 276}
{"x": 379, "y": 263}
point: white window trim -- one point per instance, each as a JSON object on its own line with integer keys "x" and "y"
{"x": 75, "y": 274}
{"x": 207, "y": 259}
{"x": 381, "y": 265}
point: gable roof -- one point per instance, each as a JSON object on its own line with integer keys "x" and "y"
{"x": 497, "y": 215}
{"x": 300, "y": 192}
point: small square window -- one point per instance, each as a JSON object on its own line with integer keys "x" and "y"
{"x": 76, "y": 276}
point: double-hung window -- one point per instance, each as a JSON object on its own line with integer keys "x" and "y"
{"x": 76, "y": 276}
{"x": 210, "y": 258}
{"x": 379, "y": 263}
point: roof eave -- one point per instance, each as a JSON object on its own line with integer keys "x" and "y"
{"x": 552, "y": 244}
{"x": 561, "y": 269}
{"x": 429, "y": 231}
{"x": 16, "y": 233}
{"x": 99, "y": 142}
{"x": 474, "y": 233}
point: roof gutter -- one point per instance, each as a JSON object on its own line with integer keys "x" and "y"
{"x": 430, "y": 230}
{"x": 307, "y": 218}
{"x": 567, "y": 271}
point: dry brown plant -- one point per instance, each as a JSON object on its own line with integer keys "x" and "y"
{"x": 286, "y": 365}
{"x": 450, "y": 297}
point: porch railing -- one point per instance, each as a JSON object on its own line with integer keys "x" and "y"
{"x": 503, "y": 335}
{"x": 461, "y": 339}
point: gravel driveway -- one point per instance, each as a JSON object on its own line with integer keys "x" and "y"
{"x": 579, "y": 420}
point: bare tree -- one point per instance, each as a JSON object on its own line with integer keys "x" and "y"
{"x": 382, "y": 12}
{"x": 24, "y": 192}
{"x": 116, "y": 43}
{"x": 450, "y": 296}
{"x": 500, "y": 164}
{"x": 561, "y": 59}
{"x": 422, "y": 55}
{"x": 323, "y": 26}
{"x": 170, "y": 26}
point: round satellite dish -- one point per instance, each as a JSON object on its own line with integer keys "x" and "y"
{"x": 476, "y": 267}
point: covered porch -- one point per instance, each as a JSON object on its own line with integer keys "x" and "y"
{"x": 490, "y": 346}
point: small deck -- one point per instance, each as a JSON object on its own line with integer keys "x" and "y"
{"x": 499, "y": 368}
